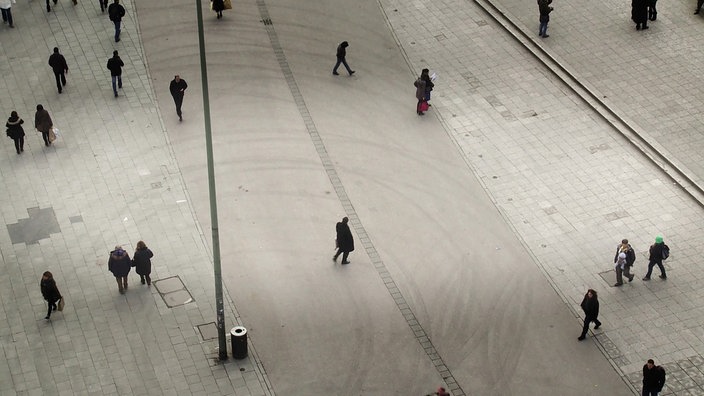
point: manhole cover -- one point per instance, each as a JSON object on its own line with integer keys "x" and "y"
{"x": 173, "y": 291}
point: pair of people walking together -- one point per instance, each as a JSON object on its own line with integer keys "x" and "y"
{"x": 120, "y": 265}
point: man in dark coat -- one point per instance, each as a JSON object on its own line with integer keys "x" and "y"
{"x": 341, "y": 54}
{"x": 115, "y": 66}
{"x": 630, "y": 258}
{"x": 590, "y": 306}
{"x": 639, "y": 13}
{"x": 345, "y": 241}
{"x": 178, "y": 89}
{"x": 653, "y": 378}
{"x": 115, "y": 12}
{"x": 43, "y": 123}
{"x": 60, "y": 68}
{"x": 545, "y": 10}
{"x": 656, "y": 257}
{"x": 120, "y": 264}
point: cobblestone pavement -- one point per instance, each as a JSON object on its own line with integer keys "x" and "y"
{"x": 109, "y": 179}
{"x": 568, "y": 183}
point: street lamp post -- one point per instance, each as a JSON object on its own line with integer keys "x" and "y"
{"x": 222, "y": 341}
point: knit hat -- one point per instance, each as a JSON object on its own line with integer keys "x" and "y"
{"x": 658, "y": 239}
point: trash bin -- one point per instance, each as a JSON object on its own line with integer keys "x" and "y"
{"x": 238, "y": 336}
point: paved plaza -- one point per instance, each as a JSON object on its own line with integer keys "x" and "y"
{"x": 478, "y": 227}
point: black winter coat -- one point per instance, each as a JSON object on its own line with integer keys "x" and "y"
{"x": 115, "y": 66}
{"x": 119, "y": 263}
{"x": 653, "y": 378}
{"x": 342, "y": 50}
{"x": 656, "y": 252}
{"x": 49, "y": 290}
{"x": 345, "y": 242}
{"x": 14, "y": 127}
{"x": 142, "y": 262}
{"x": 630, "y": 255}
{"x": 58, "y": 63}
{"x": 590, "y": 307}
{"x": 639, "y": 11}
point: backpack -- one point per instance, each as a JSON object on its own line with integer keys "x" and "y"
{"x": 665, "y": 252}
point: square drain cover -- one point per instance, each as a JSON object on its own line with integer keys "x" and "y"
{"x": 173, "y": 291}
{"x": 208, "y": 331}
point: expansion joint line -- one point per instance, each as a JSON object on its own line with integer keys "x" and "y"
{"x": 418, "y": 331}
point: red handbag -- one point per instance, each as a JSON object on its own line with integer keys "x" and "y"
{"x": 424, "y": 105}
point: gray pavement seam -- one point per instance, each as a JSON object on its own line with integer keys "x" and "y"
{"x": 400, "y": 301}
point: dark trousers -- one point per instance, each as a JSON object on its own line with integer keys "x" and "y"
{"x": 652, "y": 12}
{"x": 585, "y": 328}
{"x": 341, "y": 60}
{"x": 117, "y": 30}
{"x": 19, "y": 144}
{"x": 652, "y": 264}
{"x": 103, "y": 5}
{"x": 116, "y": 83}
{"x": 45, "y": 136}
{"x": 699, "y": 4}
{"x": 178, "y": 100}
{"x": 543, "y": 29}
{"x": 7, "y": 15}
{"x": 146, "y": 278}
{"x": 52, "y": 307}
{"x": 650, "y": 392}
{"x": 344, "y": 255}
{"x": 60, "y": 79}
{"x": 121, "y": 283}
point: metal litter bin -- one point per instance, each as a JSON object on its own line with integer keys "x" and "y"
{"x": 238, "y": 337}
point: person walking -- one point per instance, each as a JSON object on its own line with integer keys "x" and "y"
{"x": 218, "y": 6}
{"x": 142, "y": 262}
{"x": 639, "y": 13}
{"x": 652, "y": 11}
{"x": 103, "y": 5}
{"x": 425, "y": 76}
{"x": 422, "y": 104}
{"x": 50, "y": 292}
{"x": 115, "y": 66}
{"x": 6, "y": 9}
{"x": 658, "y": 252}
{"x": 653, "y": 378}
{"x": 60, "y": 67}
{"x": 15, "y": 131}
{"x": 624, "y": 259}
{"x": 590, "y": 306}
{"x": 341, "y": 55}
{"x": 699, "y": 6}
{"x": 545, "y": 10}
{"x": 120, "y": 264}
{"x": 43, "y": 123}
{"x": 178, "y": 89}
{"x": 48, "y": 7}
{"x": 115, "y": 12}
{"x": 344, "y": 240}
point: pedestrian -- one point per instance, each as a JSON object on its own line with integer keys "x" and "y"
{"x": 142, "y": 262}
{"x": 178, "y": 89}
{"x": 115, "y": 13}
{"x": 341, "y": 54}
{"x": 6, "y": 9}
{"x": 115, "y": 66}
{"x": 422, "y": 104}
{"x": 699, "y": 6}
{"x": 344, "y": 240}
{"x": 15, "y": 131}
{"x": 639, "y": 13}
{"x": 624, "y": 259}
{"x": 120, "y": 264}
{"x": 590, "y": 306}
{"x": 43, "y": 123}
{"x": 653, "y": 378}
{"x": 658, "y": 252}
{"x": 652, "y": 12}
{"x": 545, "y": 10}
{"x": 424, "y": 75}
{"x": 218, "y": 6}
{"x": 50, "y": 292}
{"x": 60, "y": 67}
{"x": 48, "y": 7}
{"x": 103, "y": 5}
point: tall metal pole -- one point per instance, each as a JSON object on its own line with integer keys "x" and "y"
{"x": 222, "y": 341}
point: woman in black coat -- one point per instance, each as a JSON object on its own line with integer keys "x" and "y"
{"x": 142, "y": 263}
{"x": 15, "y": 131}
{"x": 50, "y": 292}
{"x": 218, "y": 6}
{"x": 590, "y": 306}
{"x": 344, "y": 240}
{"x": 639, "y": 13}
